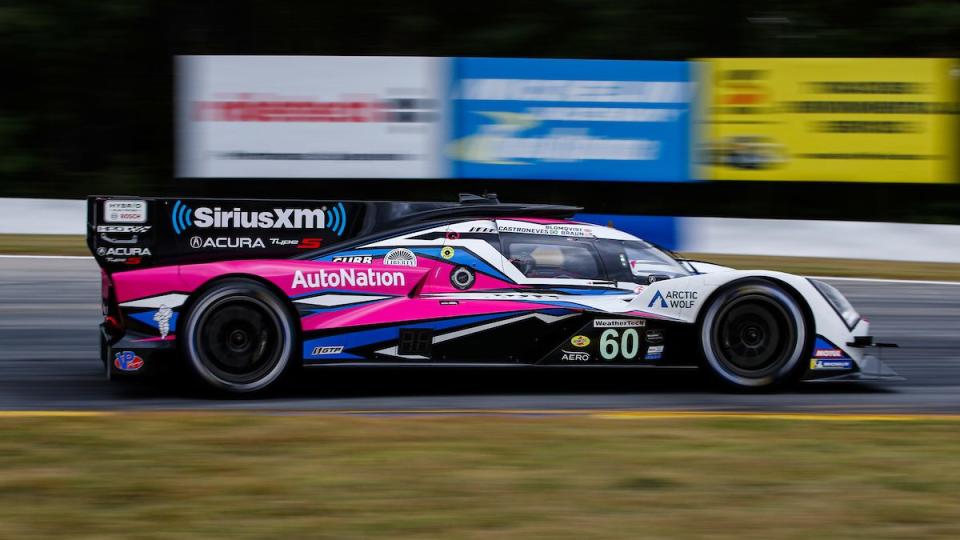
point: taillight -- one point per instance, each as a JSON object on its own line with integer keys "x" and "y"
{"x": 112, "y": 319}
{"x": 112, "y": 326}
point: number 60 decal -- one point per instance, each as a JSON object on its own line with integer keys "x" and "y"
{"x": 612, "y": 344}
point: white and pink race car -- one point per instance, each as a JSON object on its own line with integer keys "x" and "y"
{"x": 244, "y": 291}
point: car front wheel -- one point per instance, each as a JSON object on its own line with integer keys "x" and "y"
{"x": 754, "y": 336}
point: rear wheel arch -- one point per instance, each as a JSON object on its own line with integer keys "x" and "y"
{"x": 213, "y": 282}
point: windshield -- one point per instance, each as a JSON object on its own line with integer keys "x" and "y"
{"x": 635, "y": 260}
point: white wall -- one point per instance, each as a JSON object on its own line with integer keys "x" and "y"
{"x": 42, "y": 216}
{"x": 793, "y": 238}
{"x": 831, "y": 239}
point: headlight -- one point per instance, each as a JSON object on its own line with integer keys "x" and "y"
{"x": 838, "y": 302}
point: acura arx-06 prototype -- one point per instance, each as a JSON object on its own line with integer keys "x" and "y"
{"x": 244, "y": 291}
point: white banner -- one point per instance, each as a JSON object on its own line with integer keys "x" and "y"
{"x": 309, "y": 117}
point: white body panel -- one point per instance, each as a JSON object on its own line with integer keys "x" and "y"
{"x": 679, "y": 299}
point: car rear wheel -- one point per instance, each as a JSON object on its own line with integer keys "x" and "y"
{"x": 754, "y": 336}
{"x": 238, "y": 337}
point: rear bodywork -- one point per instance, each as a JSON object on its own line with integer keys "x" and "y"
{"x": 389, "y": 283}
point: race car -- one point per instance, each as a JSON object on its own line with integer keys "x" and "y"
{"x": 242, "y": 292}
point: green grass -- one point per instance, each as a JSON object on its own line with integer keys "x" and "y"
{"x": 52, "y": 244}
{"x": 298, "y": 476}
{"x": 43, "y": 244}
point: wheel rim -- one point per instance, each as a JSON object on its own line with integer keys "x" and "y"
{"x": 239, "y": 339}
{"x": 753, "y": 335}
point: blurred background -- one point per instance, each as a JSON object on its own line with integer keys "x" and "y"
{"x": 818, "y": 137}
{"x": 91, "y": 98}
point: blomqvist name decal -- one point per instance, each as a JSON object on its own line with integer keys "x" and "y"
{"x": 347, "y": 277}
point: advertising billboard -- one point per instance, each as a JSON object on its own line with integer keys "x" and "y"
{"x": 555, "y": 119}
{"x": 309, "y": 117}
{"x": 830, "y": 119}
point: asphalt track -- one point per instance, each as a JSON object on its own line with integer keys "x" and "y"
{"x": 49, "y": 309}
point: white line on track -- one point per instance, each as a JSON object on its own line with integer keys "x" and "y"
{"x": 835, "y": 278}
{"x": 45, "y": 257}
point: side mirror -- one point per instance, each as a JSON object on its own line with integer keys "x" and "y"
{"x": 653, "y": 278}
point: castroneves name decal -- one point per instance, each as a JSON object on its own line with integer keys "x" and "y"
{"x": 674, "y": 299}
{"x": 204, "y": 217}
{"x": 550, "y": 229}
{"x": 347, "y": 277}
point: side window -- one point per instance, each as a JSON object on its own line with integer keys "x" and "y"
{"x": 617, "y": 261}
{"x": 634, "y": 260}
{"x": 552, "y": 257}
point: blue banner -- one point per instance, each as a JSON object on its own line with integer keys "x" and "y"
{"x": 571, "y": 119}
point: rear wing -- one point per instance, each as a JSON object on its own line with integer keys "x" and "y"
{"x": 126, "y": 233}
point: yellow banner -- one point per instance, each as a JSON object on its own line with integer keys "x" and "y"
{"x": 829, "y": 119}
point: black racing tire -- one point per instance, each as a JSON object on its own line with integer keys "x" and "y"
{"x": 754, "y": 336}
{"x": 238, "y": 337}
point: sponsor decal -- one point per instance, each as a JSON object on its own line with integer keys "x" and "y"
{"x": 127, "y": 361}
{"x": 123, "y": 252}
{"x": 133, "y": 229}
{"x": 347, "y": 277}
{"x": 816, "y": 363}
{"x": 357, "y": 259}
{"x": 309, "y": 243}
{"x": 483, "y": 230}
{"x": 654, "y": 352}
{"x": 580, "y": 341}
{"x": 162, "y": 318}
{"x": 674, "y": 299}
{"x": 125, "y": 211}
{"x": 575, "y": 356}
{"x": 654, "y": 335}
{"x": 320, "y": 351}
{"x": 124, "y": 260}
{"x": 226, "y": 242}
{"x": 828, "y": 353}
{"x": 205, "y": 217}
{"x": 447, "y": 252}
{"x": 619, "y": 323}
{"x": 400, "y": 257}
{"x": 552, "y": 229}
